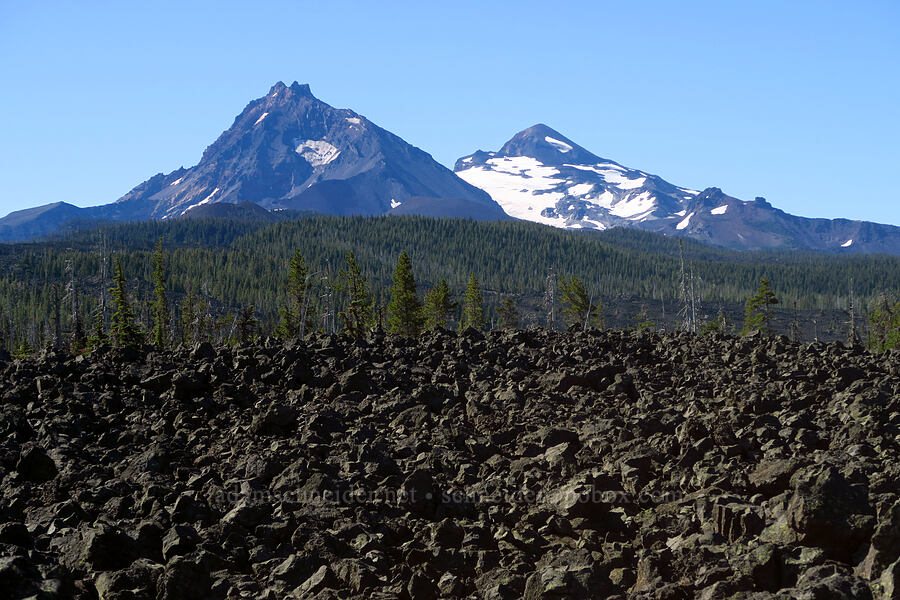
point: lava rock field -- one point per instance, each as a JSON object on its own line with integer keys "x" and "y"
{"x": 502, "y": 465}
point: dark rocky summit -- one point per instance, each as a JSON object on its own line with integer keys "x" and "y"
{"x": 521, "y": 464}
{"x": 285, "y": 151}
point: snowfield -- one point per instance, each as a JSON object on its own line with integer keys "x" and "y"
{"x": 522, "y": 186}
{"x": 317, "y": 152}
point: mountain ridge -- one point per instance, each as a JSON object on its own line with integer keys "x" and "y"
{"x": 543, "y": 176}
{"x": 290, "y": 151}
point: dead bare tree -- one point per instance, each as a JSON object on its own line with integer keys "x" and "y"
{"x": 688, "y": 312}
{"x": 550, "y": 298}
{"x": 852, "y": 334}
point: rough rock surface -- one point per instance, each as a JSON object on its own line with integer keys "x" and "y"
{"x": 523, "y": 464}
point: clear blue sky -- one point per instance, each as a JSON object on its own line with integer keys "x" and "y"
{"x": 795, "y": 101}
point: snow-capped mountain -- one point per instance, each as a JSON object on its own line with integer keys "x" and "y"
{"x": 288, "y": 150}
{"x": 540, "y": 175}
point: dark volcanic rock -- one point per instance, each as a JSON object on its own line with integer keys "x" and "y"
{"x": 503, "y": 465}
{"x": 35, "y": 465}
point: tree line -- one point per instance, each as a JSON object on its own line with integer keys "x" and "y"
{"x": 226, "y": 281}
{"x": 346, "y": 304}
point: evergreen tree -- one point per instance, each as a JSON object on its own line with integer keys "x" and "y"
{"x": 404, "y": 310}
{"x": 160, "y": 305}
{"x": 358, "y": 314}
{"x": 123, "y": 331}
{"x": 298, "y": 310}
{"x": 98, "y": 335}
{"x": 508, "y": 313}
{"x": 438, "y": 306}
{"x": 579, "y": 308}
{"x": 189, "y": 314}
{"x": 473, "y": 305}
{"x": 884, "y": 325}
{"x": 246, "y": 324}
{"x": 643, "y": 319}
{"x": 758, "y": 310}
{"x": 23, "y": 349}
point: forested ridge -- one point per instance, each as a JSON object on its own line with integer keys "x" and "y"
{"x": 230, "y": 265}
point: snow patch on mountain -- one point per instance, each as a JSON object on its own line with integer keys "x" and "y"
{"x": 558, "y": 144}
{"x": 206, "y": 200}
{"x": 622, "y": 182}
{"x": 261, "y": 117}
{"x": 521, "y": 185}
{"x": 684, "y": 222}
{"x": 635, "y": 207}
{"x": 847, "y": 244}
{"x": 596, "y": 224}
{"x": 721, "y": 210}
{"x": 581, "y": 189}
{"x": 317, "y": 152}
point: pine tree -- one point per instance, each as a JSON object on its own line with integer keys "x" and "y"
{"x": 758, "y": 310}
{"x": 123, "y": 331}
{"x": 189, "y": 317}
{"x": 508, "y": 313}
{"x": 404, "y": 310}
{"x": 579, "y": 309}
{"x": 358, "y": 314}
{"x": 643, "y": 319}
{"x": 298, "y": 310}
{"x": 438, "y": 306}
{"x": 98, "y": 335}
{"x": 23, "y": 349}
{"x": 884, "y": 325}
{"x": 246, "y": 324}
{"x": 160, "y": 305}
{"x": 473, "y": 305}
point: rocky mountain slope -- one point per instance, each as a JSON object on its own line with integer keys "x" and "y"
{"x": 522, "y": 464}
{"x": 287, "y": 150}
{"x": 542, "y": 176}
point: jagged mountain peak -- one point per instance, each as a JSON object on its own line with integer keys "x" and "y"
{"x": 296, "y": 90}
{"x": 290, "y": 150}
